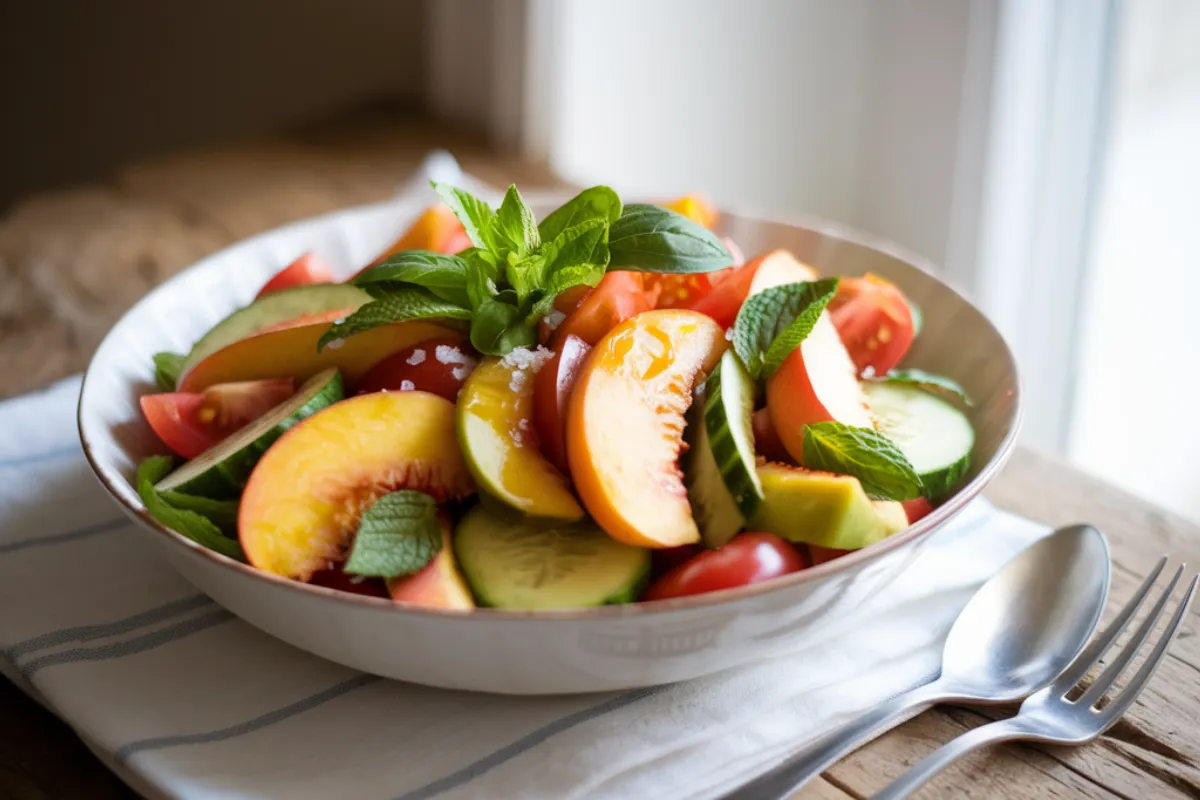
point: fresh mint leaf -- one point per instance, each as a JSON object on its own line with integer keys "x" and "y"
{"x": 498, "y": 326}
{"x": 398, "y": 535}
{"x": 407, "y": 303}
{"x": 772, "y": 323}
{"x": 483, "y": 275}
{"x": 198, "y": 528}
{"x": 166, "y": 370}
{"x": 598, "y": 202}
{"x": 443, "y": 275}
{"x": 516, "y": 225}
{"x": 883, "y": 471}
{"x": 648, "y": 238}
{"x": 926, "y": 380}
{"x": 476, "y": 216}
{"x": 222, "y": 513}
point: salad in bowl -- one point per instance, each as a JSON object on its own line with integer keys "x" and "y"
{"x": 610, "y": 406}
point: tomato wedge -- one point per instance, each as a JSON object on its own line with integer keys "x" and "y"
{"x": 618, "y": 297}
{"x": 191, "y": 422}
{"x": 771, "y": 269}
{"x": 748, "y": 558}
{"x": 308, "y": 268}
{"x": 551, "y": 390}
{"x": 874, "y": 321}
{"x": 440, "y": 365}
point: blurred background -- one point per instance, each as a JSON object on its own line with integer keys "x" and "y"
{"x": 1043, "y": 152}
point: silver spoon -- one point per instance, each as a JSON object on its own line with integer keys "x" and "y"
{"x": 1020, "y": 630}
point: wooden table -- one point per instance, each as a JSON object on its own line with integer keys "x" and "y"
{"x": 72, "y": 261}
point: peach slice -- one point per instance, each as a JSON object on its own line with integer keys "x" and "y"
{"x": 625, "y": 424}
{"x": 495, "y": 427}
{"x": 302, "y": 504}
{"x": 433, "y": 230}
{"x": 291, "y": 352}
{"x": 439, "y": 584}
{"x": 817, "y": 382}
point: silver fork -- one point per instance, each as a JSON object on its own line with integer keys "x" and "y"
{"x": 1048, "y": 715}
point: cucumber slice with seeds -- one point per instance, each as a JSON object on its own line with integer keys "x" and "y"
{"x": 222, "y": 471}
{"x": 515, "y": 563}
{"x": 934, "y": 436}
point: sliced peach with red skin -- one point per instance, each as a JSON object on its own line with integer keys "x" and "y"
{"x": 625, "y": 425}
{"x": 817, "y": 382}
{"x": 302, "y": 504}
{"x": 291, "y": 352}
{"x": 438, "y": 585}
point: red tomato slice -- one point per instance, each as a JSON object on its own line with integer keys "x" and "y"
{"x": 748, "y": 558}
{"x": 173, "y": 417}
{"x": 308, "y": 268}
{"x": 440, "y": 365}
{"x": 190, "y": 423}
{"x": 551, "y": 390}
{"x": 618, "y": 297}
{"x": 917, "y": 508}
{"x": 874, "y": 321}
{"x": 681, "y": 291}
{"x": 822, "y": 554}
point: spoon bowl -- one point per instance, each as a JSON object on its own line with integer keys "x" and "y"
{"x": 1026, "y": 624}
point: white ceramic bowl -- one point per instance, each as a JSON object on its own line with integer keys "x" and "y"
{"x": 606, "y": 648}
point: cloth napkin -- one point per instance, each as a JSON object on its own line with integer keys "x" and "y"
{"x": 182, "y": 699}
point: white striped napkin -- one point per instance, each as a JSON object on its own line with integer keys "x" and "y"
{"x": 183, "y": 700}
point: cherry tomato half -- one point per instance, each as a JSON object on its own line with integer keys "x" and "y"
{"x": 917, "y": 508}
{"x": 618, "y": 297}
{"x": 191, "y": 422}
{"x": 874, "y": 321}
{"x": 440, "y": 365}
{"x": 748, "y": 558}
{"x": 308, "y": 268}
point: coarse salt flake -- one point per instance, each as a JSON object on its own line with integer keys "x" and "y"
{"x": 523, "y": 358}
{"x": 335, "y": 344}
{"x": 407, "y": 386}
{"x": 417, "y": 357}
{"x": 554, "y": 319}
{"x": 448, "y": 354}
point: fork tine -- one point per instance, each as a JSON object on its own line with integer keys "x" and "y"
{"x": 1137, "y": 683}
{"x": 1114, "y": 668}
{"x": 1084, "y": 662}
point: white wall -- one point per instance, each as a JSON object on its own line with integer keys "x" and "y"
{"x": 850, "y": 110}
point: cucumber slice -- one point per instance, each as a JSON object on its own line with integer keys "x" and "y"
{"x": 728, "y": 411}
{"x": 221, "y": 471}
{"x": 514, "y": 563}
{"x": 273, "y": 309}
{"x": 713, "y": 507}
{"x": 934, "y": 436}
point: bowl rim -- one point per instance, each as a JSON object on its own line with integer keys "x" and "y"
{"x": 925, "y": 526}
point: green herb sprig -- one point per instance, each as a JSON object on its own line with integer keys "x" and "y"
{"x": 503, "y": 285}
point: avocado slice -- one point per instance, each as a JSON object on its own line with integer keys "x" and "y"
{"x": 821, "y": 508}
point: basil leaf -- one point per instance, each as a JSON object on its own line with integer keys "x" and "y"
{"x": 222, "y": 513}
{"x": 515, "y": 224}
{"x": 772, "y": 323}
{"x": 194, "y": 526}
{"x": 598, "y": 202}
{"x": 407, "y": 303}
{"x": 476, "y": 216}
{"x": 582, "y": 244}
{"x": 444, "y": 276}
{"x": 524, "y": 273}
{"x": 926, "y": 380}
{"x": 883, "y": 471}
{"x": 398, "y": 535}
{"x": 166, "y": 370}
{"x": 649, "y": 238}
